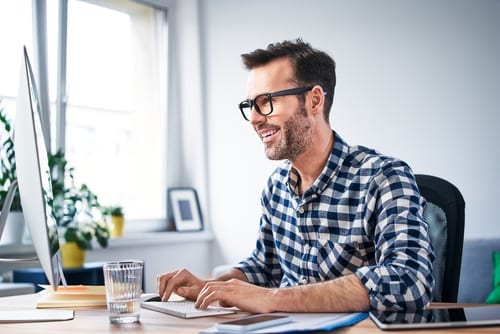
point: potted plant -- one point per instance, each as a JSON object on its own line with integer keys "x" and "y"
{"x": 13, "y": 230}
{"x": 77, "y": 212}
{"x": 117, "y": 220}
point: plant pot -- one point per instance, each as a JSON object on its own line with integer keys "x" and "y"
{"x": 117, "y": 226}
{"x": 14, "y": 229}
{"x": 72, "y": 255}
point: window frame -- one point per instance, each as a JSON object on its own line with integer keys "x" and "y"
{"x": 40, "y": 42}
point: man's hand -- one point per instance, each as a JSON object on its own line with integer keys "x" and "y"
{"x": 182, "y": 282}
{"x": 344, "y": 294}
{"x": 231, "y": 289}
{"x": 235, "y": 292}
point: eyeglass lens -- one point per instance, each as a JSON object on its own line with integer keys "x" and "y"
{"x": 262, "y": 104}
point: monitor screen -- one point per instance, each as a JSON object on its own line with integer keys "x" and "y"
{"x": 33, "y": 175}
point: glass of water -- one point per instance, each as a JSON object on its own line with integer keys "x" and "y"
{"x": 123, "y": 281}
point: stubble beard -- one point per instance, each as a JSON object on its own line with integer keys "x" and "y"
{"x": 295, "y": 138}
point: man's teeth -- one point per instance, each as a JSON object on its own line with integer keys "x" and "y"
{"x": 268, "y": 133}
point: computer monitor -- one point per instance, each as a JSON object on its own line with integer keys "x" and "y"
{"x": 33, "y": 176}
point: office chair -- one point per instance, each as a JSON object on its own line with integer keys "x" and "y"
{"x": 444, "y": 212}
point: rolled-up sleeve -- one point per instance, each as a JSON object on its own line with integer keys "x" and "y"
{"x": 402, "y": 277}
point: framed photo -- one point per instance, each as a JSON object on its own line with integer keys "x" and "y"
{"x": 184, "y": 209}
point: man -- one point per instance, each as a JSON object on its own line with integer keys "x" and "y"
{"x": 342, "y": 227}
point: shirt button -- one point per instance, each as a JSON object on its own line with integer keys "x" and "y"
{"x": 303, "y": 280}
{"x": 301, "y": 210}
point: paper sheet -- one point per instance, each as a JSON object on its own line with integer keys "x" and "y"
{"x": 11, "y": 316}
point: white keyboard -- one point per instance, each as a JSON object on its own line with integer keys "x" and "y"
{"x": 184, "y": 309}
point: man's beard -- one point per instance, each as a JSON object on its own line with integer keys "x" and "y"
{"x": 295, "y": 138}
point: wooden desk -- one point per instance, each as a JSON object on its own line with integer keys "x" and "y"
{"x": 96, "y": 321}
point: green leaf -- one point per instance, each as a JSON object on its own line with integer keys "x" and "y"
{"x": 84, "y": 244}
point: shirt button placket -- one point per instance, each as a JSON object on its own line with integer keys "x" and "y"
{"x": 303, "y": 278}
{"x": 306, "y": 249}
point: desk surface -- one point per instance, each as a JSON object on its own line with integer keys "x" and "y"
{"x": 96, "y": 321}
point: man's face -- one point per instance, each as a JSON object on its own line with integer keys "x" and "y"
{"x": 286, "y": 132}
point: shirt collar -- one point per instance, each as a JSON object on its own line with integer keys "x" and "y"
{"x": 339, "y": 151}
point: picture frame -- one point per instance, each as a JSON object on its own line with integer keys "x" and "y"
{"x": 184, "y": 209}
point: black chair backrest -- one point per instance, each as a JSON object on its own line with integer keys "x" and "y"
{"x": 444, "y": 211}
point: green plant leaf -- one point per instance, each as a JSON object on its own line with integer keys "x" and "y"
{"x": 7, "y": 161}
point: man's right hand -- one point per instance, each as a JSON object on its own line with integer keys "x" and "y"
{"x": 182, "y": 282}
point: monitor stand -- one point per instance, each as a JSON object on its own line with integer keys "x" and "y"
{"x": 7, "y": 205}
{"x": 3, "y": 220}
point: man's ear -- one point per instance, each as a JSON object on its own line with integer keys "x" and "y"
{"x": 317, "y": 99}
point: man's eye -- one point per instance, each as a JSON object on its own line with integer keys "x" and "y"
{"x": 262, "y": 100}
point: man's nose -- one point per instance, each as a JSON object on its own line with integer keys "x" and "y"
{"x": 256, "y": 117}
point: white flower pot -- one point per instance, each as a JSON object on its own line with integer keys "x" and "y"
{"x": 14, "y": 229}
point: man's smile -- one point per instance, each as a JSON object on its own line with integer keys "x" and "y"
{"x": 269, "y": 135}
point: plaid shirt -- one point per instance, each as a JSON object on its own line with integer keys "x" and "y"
{"x": 362, "y": 216}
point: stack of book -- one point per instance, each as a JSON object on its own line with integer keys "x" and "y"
{"x": 72, "y": 296}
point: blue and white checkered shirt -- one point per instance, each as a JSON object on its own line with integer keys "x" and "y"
{"x": 362, "y": 216}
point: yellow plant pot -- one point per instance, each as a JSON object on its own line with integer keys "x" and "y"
{"x": 117, "y": 226}
{"x": 72, "y": 255}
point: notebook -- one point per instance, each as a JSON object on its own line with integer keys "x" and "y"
{"x": 180, "y": 307}
{"x": 438, "y": 318}
{"x": 73, "y": 297}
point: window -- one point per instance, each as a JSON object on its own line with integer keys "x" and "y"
{"x": 15, "y": 31}
{"x": 115, "y": 117}
{"x": 111, "y": 121}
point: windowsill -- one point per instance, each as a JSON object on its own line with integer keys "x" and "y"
{"x": 131, "y": 239}
{"x": 154, "y": 238}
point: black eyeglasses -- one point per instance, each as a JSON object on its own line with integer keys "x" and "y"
{"x": 263, "y": 103}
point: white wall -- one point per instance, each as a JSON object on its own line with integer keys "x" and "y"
{"x": 419, "y": 80}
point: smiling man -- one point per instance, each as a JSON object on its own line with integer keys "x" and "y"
{"x": 341, "y": 226}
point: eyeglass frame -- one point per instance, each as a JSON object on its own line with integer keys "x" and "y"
{"x": 251, "y": 103}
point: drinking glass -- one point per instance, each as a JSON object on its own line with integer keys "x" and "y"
{"x": 123, "y": 281}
